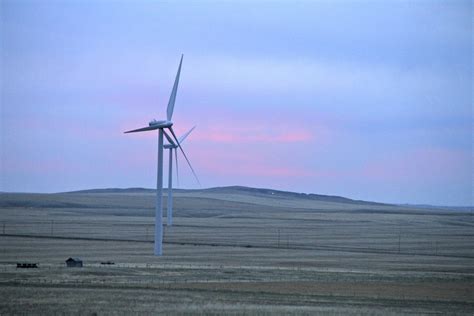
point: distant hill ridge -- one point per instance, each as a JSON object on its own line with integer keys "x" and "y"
{"x": 240, "y": 190}
{"x": 115, "y": 190}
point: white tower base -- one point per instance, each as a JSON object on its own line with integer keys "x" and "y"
{"x": 159, "y": 198}
{"x": 169, "y": 215}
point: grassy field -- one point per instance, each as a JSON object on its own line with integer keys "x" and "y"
{"x": 233, "y": 251}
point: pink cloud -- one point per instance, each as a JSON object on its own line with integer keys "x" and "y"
{"x": 232, "y": 129}
{"x": 224, "y": 123}
{"x": 231, "y": 145}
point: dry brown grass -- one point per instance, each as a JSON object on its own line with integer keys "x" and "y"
{"x": 233, "y": 254}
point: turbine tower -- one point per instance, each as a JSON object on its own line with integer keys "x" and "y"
{"x": 161, "y": 126}
{"x": 172, "y": 146}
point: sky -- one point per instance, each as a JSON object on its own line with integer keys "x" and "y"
{"x": 369, "y": 100}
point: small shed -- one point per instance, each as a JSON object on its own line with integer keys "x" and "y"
{"x": 74, "y": 262}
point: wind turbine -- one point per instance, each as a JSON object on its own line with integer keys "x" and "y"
{"x": 161, "y": 126}
{"x": 172, "y": 146}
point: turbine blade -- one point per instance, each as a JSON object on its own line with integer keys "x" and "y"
{"x": 169, "y": 111}
{"x": 182, "y": 138}
{"x": 168, "y": 137}
{"x": 143, "y": 129}
{"x": 176, "y": 157}
{"x": 184, "y": 154}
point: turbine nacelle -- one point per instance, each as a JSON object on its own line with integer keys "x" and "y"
{"x": 160, "y": 124}
{"x": 170, "y": 146}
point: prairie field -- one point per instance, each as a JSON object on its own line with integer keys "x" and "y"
{"x": 233, "y": 251}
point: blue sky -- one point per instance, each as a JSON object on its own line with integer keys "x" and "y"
{"x": 369, "y": 100}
